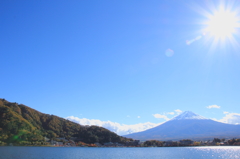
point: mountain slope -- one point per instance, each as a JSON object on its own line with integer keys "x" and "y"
{"x": 21, "y": 123}
{"x": 188, "y": 125}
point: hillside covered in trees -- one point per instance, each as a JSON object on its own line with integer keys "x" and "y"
{"x": 19, "y": 124}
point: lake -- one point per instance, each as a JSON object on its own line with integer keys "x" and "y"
{"x": 13, "y": 152}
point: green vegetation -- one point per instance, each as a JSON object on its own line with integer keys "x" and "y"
{"x": 153, "y": 143}
{"x": 234, "y": 142}
{"x": 23, "y": 125}
{"x": 188, "y": 142}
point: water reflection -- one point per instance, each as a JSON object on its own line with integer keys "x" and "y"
{"x": 120, "y": 153}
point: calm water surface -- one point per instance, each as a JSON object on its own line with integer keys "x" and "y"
{"x": 119, "y": 153}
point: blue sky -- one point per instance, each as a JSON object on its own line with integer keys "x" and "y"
{"x": 118, "y": 61}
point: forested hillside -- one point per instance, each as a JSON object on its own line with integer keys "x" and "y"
{"x": 20, "y": 123}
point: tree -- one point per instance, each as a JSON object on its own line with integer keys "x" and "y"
{"x": 216, "y": 140}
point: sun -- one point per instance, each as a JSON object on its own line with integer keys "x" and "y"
{"x": 222, "y": 24}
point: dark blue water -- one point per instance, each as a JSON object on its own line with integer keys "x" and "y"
{"x": 119, "y": 153}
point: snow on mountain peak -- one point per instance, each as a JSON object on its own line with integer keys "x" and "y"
{"x": 188, "y": 115}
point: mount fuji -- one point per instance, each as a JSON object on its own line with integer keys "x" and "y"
{"x": 188, "y": 125}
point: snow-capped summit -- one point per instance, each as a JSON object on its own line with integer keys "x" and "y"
{"x": 188, "y": 115}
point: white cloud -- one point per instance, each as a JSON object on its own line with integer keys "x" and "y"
{"x": 164, "y": 115}
{"x": 138, "y": 117}
{"x": 225, "y": 112}
{"x": 171, "y": 113}
{"x": 231, "y": 118}
{"x": 178, "y": 111}
{"x": 161, "y": 116}
{"x": 213, "y": 106}
{"x": 120, "y": 129}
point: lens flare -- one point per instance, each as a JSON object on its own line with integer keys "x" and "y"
{"x": 188, "y": 42}
{"x": 169, "y": 52}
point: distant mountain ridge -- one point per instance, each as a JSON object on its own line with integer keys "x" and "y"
{"x": 20, "y": 123}
{"x": 188, "y": 125}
